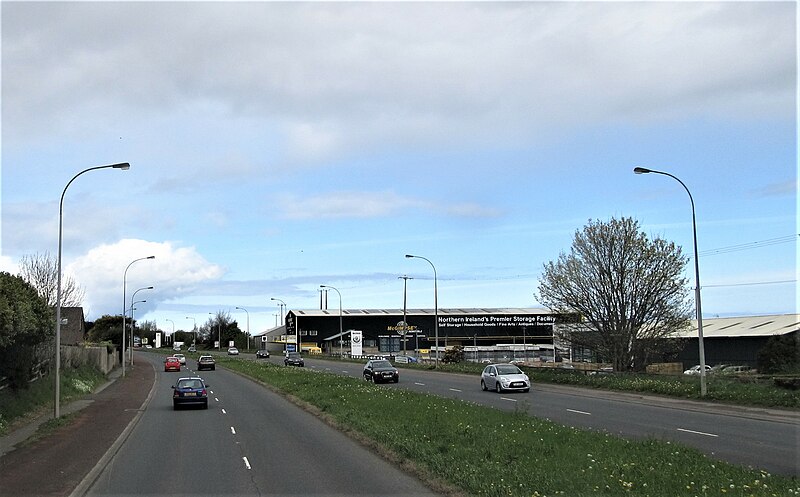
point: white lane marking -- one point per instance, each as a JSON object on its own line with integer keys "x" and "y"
{"x": 246, "y": 462}
{"x": 224, "y": 411}
{"x": 420, "y": 384}
{"x": 698, "y": 432}
{"x": 510, "y": 400}
{"x": 345, "y": 371}
{"x": 216, "y": 399}
{"x": 233, "y": 431}
{"x": 454, "y": 390}
{"x": 579, "y": 412}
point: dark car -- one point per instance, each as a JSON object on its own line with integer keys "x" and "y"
{"x": 293, "y": 359}
{"x": 262, "y": 353}
{"x": 206, "y": 362}
{"x": 379, "y": 370}
{"x": 190, "y": 391}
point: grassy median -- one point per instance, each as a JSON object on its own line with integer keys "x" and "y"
{"x": 485, "y": 451}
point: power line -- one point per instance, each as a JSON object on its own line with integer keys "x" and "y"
{"x": 751, "y": 284}
{"x": 752, "y": 245}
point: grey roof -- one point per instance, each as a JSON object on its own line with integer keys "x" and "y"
{"x": 745, "y": 326}
{"x": 417, "y": 312}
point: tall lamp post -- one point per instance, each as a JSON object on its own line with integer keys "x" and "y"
{"x": 57, "y": 400}
{"x": 405, "y": 323}
{"x": 341, "y": 335}
{"x": 194, "y": 329}
{"x": 703, "y": 389}
{"x": 281, "y": 306}
{"x": 125, "y": 303}
{"x": 219, "y": 331}
{"x": 173, "y": 326}
{"x": 435, "y": 304}
{"x": 132, "y": 325}
{"x": 248, "y": 326}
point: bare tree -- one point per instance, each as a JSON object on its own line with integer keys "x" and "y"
{"x": 628, "y": 290}
{"x": 41, "y": 272}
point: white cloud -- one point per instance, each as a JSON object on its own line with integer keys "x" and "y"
{"x": 174, "y": 273}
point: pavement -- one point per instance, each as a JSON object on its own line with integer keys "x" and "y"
{"x": 63, "y": 462}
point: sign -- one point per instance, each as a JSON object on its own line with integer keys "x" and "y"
{"x": 264, "y": 338}
{"x": 290, "y": 347}
{"x": 231, "y": 343}
{"x": 356, "y": 342}
{"x": 402, "y": 328}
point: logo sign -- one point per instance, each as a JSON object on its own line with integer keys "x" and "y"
{"x": 402, "y": 328}
{"x": 264, "y": 338}
{"x": 356, "y": 342}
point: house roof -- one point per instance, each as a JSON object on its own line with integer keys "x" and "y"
{"x": 744, "y": 326}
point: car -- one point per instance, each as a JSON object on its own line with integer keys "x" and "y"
{"x": 695, "y": 370}
{"x": 380, "y": 370}
{"x": 172, "y": 363}
{"x": 405, "y": 359}
{"x": 504, "y": 377}
{"x": 736, "y": 370}
{"x": 233, "y": 351}
{"x": 192, "y": 349}
{"x": 206, "y": 362}
{"x": 262, "y": 353}
{"x": 293, "y": 359}
{"x": 190, "y": 391}
{"x": 181, "y": 358}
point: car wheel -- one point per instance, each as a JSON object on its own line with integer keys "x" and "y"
{"x": 499, "y": 388}
{"x": 483, "y": 386}
{"x": 374, "y": 379}
{"x": 527, "y": 390}
{"x": 366, "y": 377}
{"x": 174, "y": 406}
{"x": 213, "y": 368}
{"x": 397, "y": 380}
{"x": 205, "y": 405}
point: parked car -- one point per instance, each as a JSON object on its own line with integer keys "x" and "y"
{"x": 233, "y": 351}
{"x": 192, "y": 349}
{"x": 405, "y": 359}
{"x": 695, "y": 370}
{"x": 262, "y": 353}
{"x": 504, "y": 377}
{"x": 736, "y": 370}
{"x": 181, "y": 358}
{"x": 379, "y": 370}
{"x": 293, "y": 359}
{"x": 190, "y": 391}
{"x": 206, "y": 362}
{"x": 172, "y": 363}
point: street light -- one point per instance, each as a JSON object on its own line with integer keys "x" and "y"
{"x": 435, "y": 304}
{"x": 194, "y": 329}
{"x": 173, "y": 326}
{"x": 405, "y": 324}
{"x": 57, "y": 402}
{"x": 124, "y": 303}
{"x": 132, "y": 325}
{"x": 248, "y": 327}
{"x": 341, "y": 335}
{"x": 703, "y": 390}
{"x": 219, "y": 331}
{"x": 281, "y": 306}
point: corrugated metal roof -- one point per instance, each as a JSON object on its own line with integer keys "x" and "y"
{"x": 412, "y": 312}
{"x": 745, "y": 326}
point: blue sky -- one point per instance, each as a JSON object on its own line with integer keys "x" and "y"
{"x": 275, "y": 147}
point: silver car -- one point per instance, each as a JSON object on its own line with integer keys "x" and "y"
{"x": 502, "y": 377}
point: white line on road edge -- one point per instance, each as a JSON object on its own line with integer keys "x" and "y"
{"x": 420, "y": 384}
{"x": 510, "y": 400}
{"x": 224, "y": 411}
{"x": 216, "y": 399}
{"x": 246, "y": 462}
{"x": 233, "y": 431}
{"x": 698, "y": 432}
{"x": 454, "y": 390}
{"x": 579, "y": 412}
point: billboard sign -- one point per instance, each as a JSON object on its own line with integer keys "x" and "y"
{"x": 356, "y": 342}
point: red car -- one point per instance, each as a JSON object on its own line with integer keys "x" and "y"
{"x": 172, "y": 364}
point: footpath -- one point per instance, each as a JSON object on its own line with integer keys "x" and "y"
{"x": 56, "y": 464}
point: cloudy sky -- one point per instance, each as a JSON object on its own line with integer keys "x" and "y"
{"x": 275, "y": 147}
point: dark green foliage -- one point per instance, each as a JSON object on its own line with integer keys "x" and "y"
{"x": 781, "y": 354}
{"x": 26, "y": 324}
{"x": 107, "y": 329}
{"x": 454, "y": 354}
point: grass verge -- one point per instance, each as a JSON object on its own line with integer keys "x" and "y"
{"x": 484, "y": 451}
{"x": 17, "y": 407}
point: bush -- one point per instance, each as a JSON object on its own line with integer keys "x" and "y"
{"x": 454, "y": 354}
{"x": 781, "y": 354}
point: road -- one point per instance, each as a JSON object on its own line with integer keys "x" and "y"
{"x": 757, "y": 438}
{"x": 250, "y": 441}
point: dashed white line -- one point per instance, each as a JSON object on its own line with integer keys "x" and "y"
{"x": 698, "y": 432}
{"x": 246, "y": 462}
{"x": 510, "y": 400}
{"x": 454, "y": 390}
{"x": 216, "y": 399}
{"x": 224, "y": 411}
{"x": 579, "y": 412}
{"x": 420, "y": 384}
{"x": 233, "y": 431}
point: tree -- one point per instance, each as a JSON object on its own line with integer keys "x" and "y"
{"x": 26, "y": 327}
{"x": 230, "y": 330}
{"x": 781, "y": 354}
{"x": 41, "y": 271}
{"x": 628, "y": 290}
{"x": 106, "y": 329}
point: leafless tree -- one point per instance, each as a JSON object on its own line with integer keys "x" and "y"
{"x": 627, "y": 289}
{"x": 41, "y": 272}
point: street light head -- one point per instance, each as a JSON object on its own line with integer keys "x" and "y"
{"x": 641, "y": 170}
{"x": 149, "y": 288}
{"x": 409, "y": 256}
{"x": 323, "y": 286}
{"x": 123, "y": 165}
{"x": 151, "y": 257}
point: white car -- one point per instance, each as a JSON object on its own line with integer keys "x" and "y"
{"x": 181, "y": 358}
{"x": 233, "y": 351}
{"x": 695, "y": 370}
{"x": 502, "y": 377}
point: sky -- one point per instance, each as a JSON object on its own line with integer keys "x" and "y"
{"x": 277, "y": 147}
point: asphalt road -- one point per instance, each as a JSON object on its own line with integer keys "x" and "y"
{"x": 758, "y": 438}
{"x": 250, "y": 441}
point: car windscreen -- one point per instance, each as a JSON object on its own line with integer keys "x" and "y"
{"x": 382, "y": 364}
{"x": 195, "y": 384}
{"x": 508, "y": 369}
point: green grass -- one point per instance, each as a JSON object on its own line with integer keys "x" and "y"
{"x": 482, "y": 451}
{"x": 38, "y": 398}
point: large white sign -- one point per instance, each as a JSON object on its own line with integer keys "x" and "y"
{"x": 355, "y": 343}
